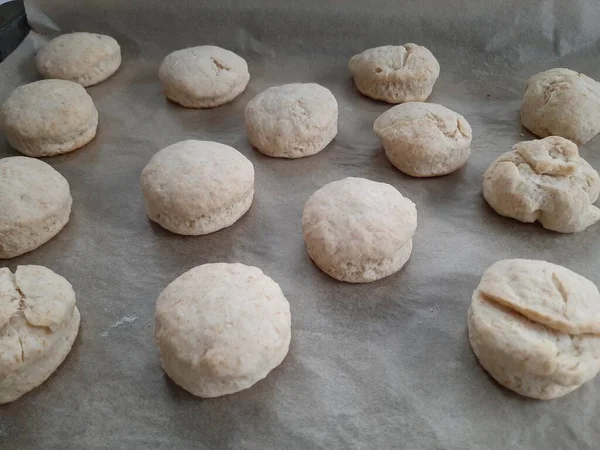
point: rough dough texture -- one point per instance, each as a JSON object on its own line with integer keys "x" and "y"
{"x": 220, "y": 328}
{"x": 197, "y": 187}
{"x": 85, "y": 58}
{"x": 38, "y": 325}
{"x": 395, "y": 74}
{"x": 424, "y": 139}
{"x": 35, "y": 204}
{"x": 535, "y": 327}
{"x": 544, "y": 180}
{"x": 203, "y": 77}
{"x": 563, "y": 103}
{"x": 293, "y": 120}
{"x": 357, "y": 230}
{"x": 49, "y": 117}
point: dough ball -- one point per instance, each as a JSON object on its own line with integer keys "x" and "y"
{"x": 535, "y": 327}
{"x": 203, "y": 77}
{"x": 544, "y": 180}
{"x": 395, "y": 74}
{"x": 357, "y": 230}
{"x": 220, "y": 328}
{"x": 49, "y": 117}
{"x": 35, "y": 204}
{"x": 293, "y": 120}
{"x": 424, "y": 139}
{"x": 197, "y": 187}
{"x": 563, "y": 103}
{"x": 85, "y": 58}
{"x": 38, "y": 325}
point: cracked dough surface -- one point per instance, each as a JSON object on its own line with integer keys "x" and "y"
{"x": 35, "y": 204}
{"x": 220, "y": 328}
{"x": 85, "y": 58}
{"x": 395, "y": 74}
{"x": 49, "y": 117}
{"x": 424, "y": 139}
{"x": 203, "y": 77}
{"x": 564, "y": 103}
{"x": 357, "y": 230}
{"x": 197, "y": 187}
{"x": 535, "y": 327}
{"x": 293, "y": 120}
{"x": 38, "y": 325}
{"x": 544, "y": 180}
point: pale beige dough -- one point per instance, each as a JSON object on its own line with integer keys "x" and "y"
{"x": 85, "y": 58}
{"x": 544, "y": 180}
{"x": 293, "y": 120}
{"x": 38, "y": 325}
{"x": 220, "y": 328}
{"x": 564, "y": 103}
{"x": 424, "y": 139}
{"x": 35, "y": 204}
{"x": 49, "y": 117}
{"x": 203, "y": 77}
{"x": 517, "y": 329}
{"x": 395, "y": 73}
{"x": 197, "y": 187}
{"x": 357, "y": 230}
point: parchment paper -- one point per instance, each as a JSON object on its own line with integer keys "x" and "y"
{"x": 376, "y": 366}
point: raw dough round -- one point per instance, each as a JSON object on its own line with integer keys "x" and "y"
{"x": 293, "y": 120}
{"x": 197, "y": 187}
{"x": 38, "y": 325}
{"x": 535, "y": 327}
{"x": 203, "y": 77}
{"x": 544, "y": 180}
{"x": 563, "y": 103}
{"x": 358, "y": 230}
{"x": 85, "y": 58}
{"x": 395, "y": 74}
{"x": 49, "y": 117}
{"x": 220, "y": 328}
{"x": 35, "y": 204}
{"x": 424, "y": 139}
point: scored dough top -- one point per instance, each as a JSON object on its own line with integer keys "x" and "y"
{"x": 48, "y": 109}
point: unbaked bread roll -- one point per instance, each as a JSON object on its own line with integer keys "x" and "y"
{"x": 220, "y": 328}
{"x": 85, "y": 58}
{"x": 357, "y": 230}
{"x": 35, "y": 204}
{"x": 395, "y": 74}
{"x": 564, "y": 103}
{"x": 535, "y": 327}
{"x": 203, "y": 77}
{"x": 293, "y": 120}
{"x": 49, "y": 117}
{"x": 197, "y": 187}
{"x": 424, "y": 139}
{"x": 547, "y": 181}
{"x": 38, "y": 325}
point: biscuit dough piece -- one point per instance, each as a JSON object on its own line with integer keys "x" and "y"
{"x": 424, "y": 139}
{"x": 395, "y": 74}
{"x": 203, "y": 77}
{"x": 85, "y": 58}
{"x": 535, "y": 327}
{"x": 564, "y": 103}
{"x": 220, "y": 328}
{"x": 357, "y": 230}
{"x": 35, "y": 204}
{"x": 544, "y": 180}
{"x": 293, "y": 120}
{"x": 38, "y": 325}
{"x": 49, "y": 117}
{"x": 197, "y": 187}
